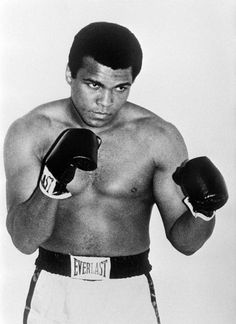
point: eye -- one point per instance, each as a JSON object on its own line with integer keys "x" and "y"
{"x": 93, "y": 85}
{"x": 121, "y": 88}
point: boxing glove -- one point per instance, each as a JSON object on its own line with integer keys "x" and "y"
{"x": 74, "y": 148}
{"x": 203, "y": 185}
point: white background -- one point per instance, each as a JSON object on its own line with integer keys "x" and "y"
{"x": 188, "y": 78}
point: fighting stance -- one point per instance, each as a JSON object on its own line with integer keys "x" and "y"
{"x": 83, "y": 174}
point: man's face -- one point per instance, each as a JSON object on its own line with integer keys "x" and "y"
{"x": 99, "y": 92}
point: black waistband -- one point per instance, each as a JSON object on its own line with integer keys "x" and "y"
{"x": 121, "y": 266}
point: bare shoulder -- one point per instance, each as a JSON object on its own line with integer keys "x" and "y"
{"x": 162, "y": 137}
{"x": 30, "y": 132}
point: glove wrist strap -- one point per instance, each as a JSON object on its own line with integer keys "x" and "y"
{"x": 197, "y": 214}
{"x": 50, "y": 186}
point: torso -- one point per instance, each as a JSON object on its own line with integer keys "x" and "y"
{"x": 109, "y": 211}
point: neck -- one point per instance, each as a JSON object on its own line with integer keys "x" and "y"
{"x": 76, "y": 115}
{"x": 79, "y": 121}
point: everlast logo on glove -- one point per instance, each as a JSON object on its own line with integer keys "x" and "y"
{"x": 90, "y": 268}
{"x": 51, "y": 187}
{"x": 48, "y": 182}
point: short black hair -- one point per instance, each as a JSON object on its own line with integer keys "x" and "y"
{"x": 107, "y": 43}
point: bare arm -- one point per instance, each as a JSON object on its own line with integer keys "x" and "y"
{"x": 186, "y": 233}
{"x": 31, "y": 215}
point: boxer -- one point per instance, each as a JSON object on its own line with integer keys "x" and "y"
{"x": 83, "y": 174}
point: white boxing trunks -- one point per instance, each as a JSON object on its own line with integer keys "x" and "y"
{"x": 91, "y": 290}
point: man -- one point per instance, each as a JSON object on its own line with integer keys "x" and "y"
{"x": 83, "y": 174}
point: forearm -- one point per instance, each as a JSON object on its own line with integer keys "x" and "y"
{"x": 188, "y": 233}
{"x": 31, "y": 223}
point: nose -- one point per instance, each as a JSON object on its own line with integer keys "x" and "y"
{"x": 105, "y": 98}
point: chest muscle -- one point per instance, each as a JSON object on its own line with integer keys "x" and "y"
{"x": 124, "y": 170}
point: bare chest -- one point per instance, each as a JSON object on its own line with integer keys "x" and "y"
{"x": 125, "y": 169}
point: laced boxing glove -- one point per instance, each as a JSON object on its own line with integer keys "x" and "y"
{"x": 203, "y": 185}
{"x": 74, "y": 148}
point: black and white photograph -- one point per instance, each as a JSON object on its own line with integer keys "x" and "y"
{"x": 118, "y": 196}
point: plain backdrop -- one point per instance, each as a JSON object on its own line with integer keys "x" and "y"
{"x": 188, "y": 78}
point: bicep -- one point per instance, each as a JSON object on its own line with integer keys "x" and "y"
{"x": 167, "y": 194}
{"x": 20, "y": 185}
{"x": 22, "y": 167}
{"x": 168, "y": 198}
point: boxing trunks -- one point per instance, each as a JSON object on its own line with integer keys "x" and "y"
{"x": 68, "y": 289}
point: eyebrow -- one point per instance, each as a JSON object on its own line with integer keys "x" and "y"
{"x": 102, "y": 85}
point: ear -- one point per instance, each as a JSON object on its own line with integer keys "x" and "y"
{"x": 68, "y": 75}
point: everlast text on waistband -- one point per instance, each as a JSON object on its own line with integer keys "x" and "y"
{"x": 90, "y": 268}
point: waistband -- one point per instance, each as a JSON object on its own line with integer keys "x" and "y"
{"x": 93, "y": 268}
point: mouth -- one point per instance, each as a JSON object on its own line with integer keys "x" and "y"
{"x": 99, "y": 114}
